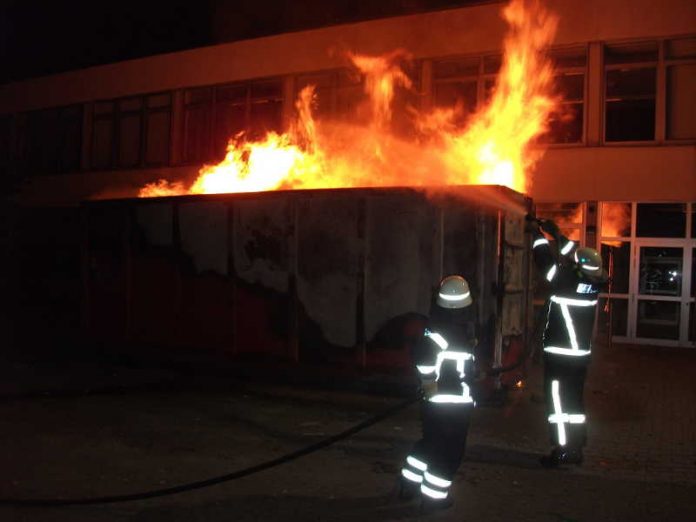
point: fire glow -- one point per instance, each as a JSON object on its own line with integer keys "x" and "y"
{"x": 495, "y": 146}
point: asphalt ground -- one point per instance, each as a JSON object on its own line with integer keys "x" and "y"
{"x": 640, "y": 460}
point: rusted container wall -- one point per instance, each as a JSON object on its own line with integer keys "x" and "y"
{"x": 337, "y": 277}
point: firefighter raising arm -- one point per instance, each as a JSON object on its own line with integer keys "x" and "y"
{"x": 548, "y": 255}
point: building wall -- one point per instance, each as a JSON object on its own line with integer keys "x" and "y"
{"x": 617, "y": 173}
{"x": 475, "y": 29}
{"x": 658, "y": 169}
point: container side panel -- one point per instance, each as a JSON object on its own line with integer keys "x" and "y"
{"x": 262, "y": 232}
{"x": 262, "y": 228}
{"x": 400, "y": 273}
{"x": 460, "y": 242}
{"x": 43, "y": 290}
{"x": 156, "y": 277}
{"x": 328, "y": 258}
{"x": 204, "y": 235}
{"x": 107, "y": 273}
{"x": 154, "y": 222}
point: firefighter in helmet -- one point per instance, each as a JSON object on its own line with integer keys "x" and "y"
{"x": 444, "y": 362}
{"x": 575, "y": 276}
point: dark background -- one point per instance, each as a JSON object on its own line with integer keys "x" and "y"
{"x": 46, "y": 37}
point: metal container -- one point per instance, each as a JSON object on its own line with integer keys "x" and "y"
{"x": 343, "y": 278}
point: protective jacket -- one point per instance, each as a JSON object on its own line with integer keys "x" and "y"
{"x": 567, "y": 337}
{"x": 444, "y": 361}
{"x": 444, "y": 356}
{"x": 571, "y": 310}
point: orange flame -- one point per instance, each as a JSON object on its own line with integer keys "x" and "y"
{"x": 495, "y": 147}
{"x": 382, "y": 75}
{"x": 616, "y": 222}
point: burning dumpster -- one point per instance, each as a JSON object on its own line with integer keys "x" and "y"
{"x": 338, "y": 278}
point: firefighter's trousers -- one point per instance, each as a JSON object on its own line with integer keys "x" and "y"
{"x": 436, "y": 457}
{"x": 564, "y": 382}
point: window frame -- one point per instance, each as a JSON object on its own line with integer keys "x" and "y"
{"x": 630, "y": 66}
{"x": 333, "y": 86}
{"x": 214, "y": 105}
{"x": 115, "y": 116}
{"x": 488, "y": 68}
{"x": 661, "y": 64}
{"x": 672, "y": 62}
{"x": 574, "y": 69}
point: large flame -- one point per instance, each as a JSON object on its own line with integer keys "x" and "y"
{"x": 496, "y": 146}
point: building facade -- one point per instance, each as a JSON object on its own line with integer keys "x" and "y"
{"x": 619, "y": 175}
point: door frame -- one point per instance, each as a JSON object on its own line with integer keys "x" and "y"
{"x": 685, "y": 300}
{"x": 688, "y": 245}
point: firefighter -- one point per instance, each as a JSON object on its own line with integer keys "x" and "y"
{"x": 444, "y": 362}
{"x": 575, "y": 276}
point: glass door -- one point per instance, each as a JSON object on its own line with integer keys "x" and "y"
{"x": 662, "y": 293}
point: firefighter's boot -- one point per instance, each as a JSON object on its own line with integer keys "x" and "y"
{"x": 407, "y": 489}
{"x": 431, "y": 505}
{"x": 562, "y": 455}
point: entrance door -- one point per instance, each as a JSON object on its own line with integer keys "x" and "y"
{"x": 661, "y": 293}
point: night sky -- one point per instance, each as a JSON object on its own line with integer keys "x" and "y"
{"x": 44, "y": 37}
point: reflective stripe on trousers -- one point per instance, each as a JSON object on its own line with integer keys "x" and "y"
{"x": 559, "y": 417}
{"x": 413, "y": 469}
{"x": 435, "y": 487}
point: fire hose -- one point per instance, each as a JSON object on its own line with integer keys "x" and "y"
{"x": 173, "y": 490}
{"x": 182, "y": 488}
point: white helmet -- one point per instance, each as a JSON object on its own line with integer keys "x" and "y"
{"x": 454, "y": 293}
{"x": 590, "y": 262}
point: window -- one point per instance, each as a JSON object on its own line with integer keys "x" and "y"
{"x": 265, "y": 108}
{"x": 680, "y": 63}
{"x": 661, "y": 220}
{"x": 129, "y": 128}
{"x": 491, "y": 68}
{"x": 464, "y": 83}
{"x": 615, "y": 248}
{"x": 566, "y": 126}
{"x": 157, "y": 129}
{"x": 630, "y": 92}
{"x": 568, "y": 216}
{"x": 69, "y": 139}
{"x": 616, "y": 220}
{"x": 103, "y": 135}
{"x": 41, "y": 147}
{"x": 253, "y": 108}
{"x": 338, "y": 92}
{"x": 215, "y": 115}
{"x": 52, "y": 141}
{"x": 615, "y": 241}
{"x": 198, "y": 108}
{"x": 131, "y": 132}
{"x": 403, "y": 122}
{"x": 455, "y": 84}
{"x": 468, "y": 82}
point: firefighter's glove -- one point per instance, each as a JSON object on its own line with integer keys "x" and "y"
{"x": 429, "y": 389}
{"x": 531, "y": 224}
{"x": 550, "y": 227}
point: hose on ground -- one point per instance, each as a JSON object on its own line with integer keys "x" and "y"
{"x": 129, "y": 497}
